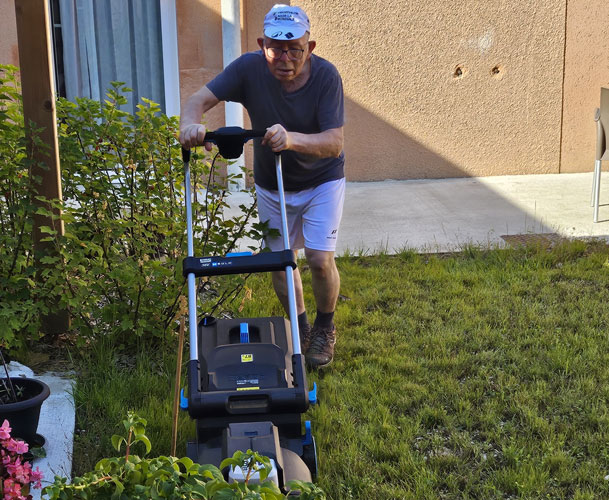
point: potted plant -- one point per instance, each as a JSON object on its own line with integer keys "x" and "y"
{"x": 20, "y": 402}
{"x": 16, "y": 473}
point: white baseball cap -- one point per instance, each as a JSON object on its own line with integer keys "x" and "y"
{"x": 286, "y": 22}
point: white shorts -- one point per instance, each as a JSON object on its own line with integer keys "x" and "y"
{"x": 313, "y": 215}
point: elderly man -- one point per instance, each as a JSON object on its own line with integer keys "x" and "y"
{"x": 297, "y": 97}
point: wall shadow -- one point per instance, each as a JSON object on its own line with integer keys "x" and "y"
{"x": 425, "y": 202}
{"x": 371, "y": 144}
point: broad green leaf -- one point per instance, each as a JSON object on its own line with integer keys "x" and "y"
{"x": 117, "y": 442}
{"x": 146, "y": 442}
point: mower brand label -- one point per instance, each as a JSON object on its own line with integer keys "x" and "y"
{"x": 248, "y": 381}
{"x": 247, "y": 358}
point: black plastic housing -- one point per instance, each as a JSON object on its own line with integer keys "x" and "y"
{"x": 233, "y": 378}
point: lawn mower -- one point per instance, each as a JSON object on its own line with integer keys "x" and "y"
{"x": 247, "y": 385}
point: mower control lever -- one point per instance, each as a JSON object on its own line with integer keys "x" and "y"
{"x": 230, "y": 140}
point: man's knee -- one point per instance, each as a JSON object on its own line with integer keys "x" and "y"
{"x": 319, "y": 261}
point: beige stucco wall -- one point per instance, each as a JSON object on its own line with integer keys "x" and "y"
{"x": 9, "y": 52}
{"x": 422, "y": 96}
{"x": 586, "y": 70}
{"x": 411, "y": 116}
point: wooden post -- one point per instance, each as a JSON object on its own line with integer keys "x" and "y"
{"x": 38, "y": 89}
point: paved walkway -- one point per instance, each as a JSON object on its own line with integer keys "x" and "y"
{"x": 445, "y": 214}
{"x": 439, "y": 215}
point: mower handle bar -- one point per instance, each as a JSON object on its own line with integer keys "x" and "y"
{"x": 230, "y": 141}
{"x": 235, "y": 133}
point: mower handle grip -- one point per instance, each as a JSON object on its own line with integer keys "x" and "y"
{"x": 233, "y": 133}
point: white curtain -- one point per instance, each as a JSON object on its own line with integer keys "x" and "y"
{"x": 113, "y": 40}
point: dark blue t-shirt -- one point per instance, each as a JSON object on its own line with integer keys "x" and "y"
{"x": 314, "y": 108}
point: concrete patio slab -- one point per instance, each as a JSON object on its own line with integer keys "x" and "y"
{"x": 441, "y": 215}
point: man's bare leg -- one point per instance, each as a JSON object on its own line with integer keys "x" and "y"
{"x": 326, "y": 285}
{"x": 281, "y": 289}
{"x": 325, "y": 279}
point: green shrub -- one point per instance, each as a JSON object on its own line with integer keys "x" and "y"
{"x": 117, "y": 268}
{"x": 132, "y": 477}
{"x": 20, "y": 309}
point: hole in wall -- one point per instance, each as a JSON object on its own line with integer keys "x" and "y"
{"x": 497, "y": 71}
{"x": 459, "y": 72}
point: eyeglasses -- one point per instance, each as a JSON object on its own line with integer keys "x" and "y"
{"x": 276, "y": 53}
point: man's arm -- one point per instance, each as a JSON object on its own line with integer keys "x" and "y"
{"x": 326, "y": 144}
{"x": 192, "y": 132}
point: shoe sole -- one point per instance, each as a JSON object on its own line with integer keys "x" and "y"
{"x": 314, "y": 366}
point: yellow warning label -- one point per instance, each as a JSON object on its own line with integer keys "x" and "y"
{"x": 248, "y": 388}
{"x": 247, "y": 358}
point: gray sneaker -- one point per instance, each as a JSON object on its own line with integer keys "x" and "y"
{"x": 321, "y": 348}
{"x": 306, "y": 335}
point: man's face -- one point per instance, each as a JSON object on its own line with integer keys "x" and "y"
{"x": 286, "y": 58}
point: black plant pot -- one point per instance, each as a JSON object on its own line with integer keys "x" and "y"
{"x": 23, "y": 416}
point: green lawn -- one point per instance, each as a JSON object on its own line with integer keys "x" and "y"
{"x": 481, "y": 375}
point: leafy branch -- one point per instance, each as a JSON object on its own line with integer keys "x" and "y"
{"x": 130, "y": 476}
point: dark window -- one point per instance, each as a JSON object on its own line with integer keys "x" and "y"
{"x": 100, "y": 41}
{"x": 60, "y": 83}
